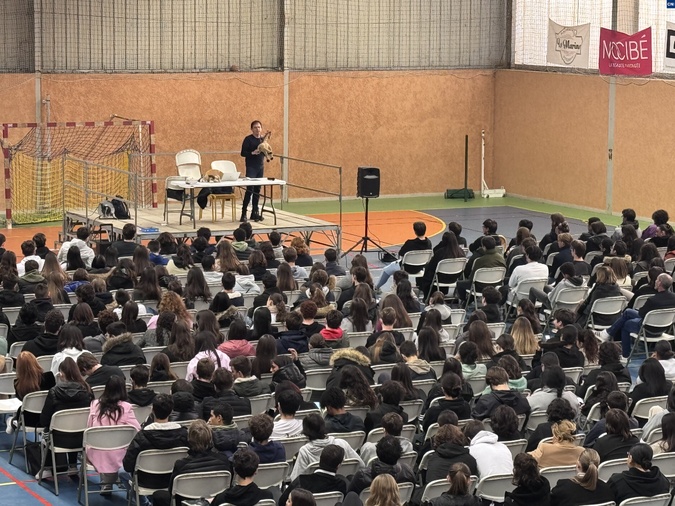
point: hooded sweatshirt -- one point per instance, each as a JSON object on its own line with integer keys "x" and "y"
{"x": 65, "y": 395}
{"x": 420, "y": 369}
{"x": 245, "y": 283}
{"x": 121, "y": 350}
{"x": 332, "y": 334}
{"x": 44, "y": 344}
{"x": 346, "y": 422}
{"x": 444, "y": 310}
{"x": 311, "y": 453}
{"x": 348, "y": 356}
{"x": 635, "y": 483}
{"x": 249, "y": 387}
{"x": 444, "y": 457}
{"x": 269, "y": 453}
{"x": 492, "y": 457}
{"x": 296, "y": 339}
{"x": 62, "y": 355}
{"x": 537, "y": 493}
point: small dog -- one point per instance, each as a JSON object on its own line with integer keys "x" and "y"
{"x": 213, "y": 176}
{"x": 265, "y": 148}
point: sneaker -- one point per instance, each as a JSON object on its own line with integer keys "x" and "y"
{"x": 243, "y": 219}
{"x": 11, "y": 426}
{"x": 602, "y": 335}
{"x": 72, "y": 470}
{"x": 47, "y": 473}
{"x": 106, "y": 489}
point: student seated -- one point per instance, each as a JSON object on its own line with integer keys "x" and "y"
{"x": 245, "y": 385}
{"x": 288, "y": 403}
{"x": 261, "y": 427}
{"x": 392, "y": 423}
{"x": 245, "y": 493}
{"x": 388, "y": 451}
{"x": 140, "y": 394}
{"x": 391, "y": 393}
{"x": 501, "y": 394}
{"x": 338, "y": 419}
{"x": 226, "y": 433}
{"x": 201, "y": 384}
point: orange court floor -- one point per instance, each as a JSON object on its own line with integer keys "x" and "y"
{"x": 387, "y": 228}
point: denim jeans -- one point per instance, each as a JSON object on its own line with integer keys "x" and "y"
{"x": 629, "y": 322}
{"x": 387, "y": 272}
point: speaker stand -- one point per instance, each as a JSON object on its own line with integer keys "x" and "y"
{"x": 363, "y": 242}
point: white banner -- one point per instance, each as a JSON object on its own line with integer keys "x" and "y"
{"x": 669, "y": 60}
{"x": 568, "y": 45}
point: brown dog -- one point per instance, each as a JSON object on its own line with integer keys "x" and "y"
{"x": 213, "y": 176}
{"x": 265, "y": 148}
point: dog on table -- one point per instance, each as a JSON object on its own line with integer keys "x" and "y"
{"x": 212, "y": 176}
{"x": 265, "y": 148}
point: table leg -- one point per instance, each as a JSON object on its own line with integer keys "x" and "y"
{"x": 192, "y": 207}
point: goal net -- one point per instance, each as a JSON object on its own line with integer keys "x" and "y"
{"x": 64, "y": 166}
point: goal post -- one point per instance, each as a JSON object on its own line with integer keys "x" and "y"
{"x": 51, "y": 154}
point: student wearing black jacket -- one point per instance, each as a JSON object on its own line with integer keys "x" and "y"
{"x": 532, "y": 489}
{"x": 223, "y": 381}
{"x": 391, "y": 394}
{"x": 641, "y": 479}
{"x": 452, "y": 400}
{"x": 618, "y": 439}
{"x": 609, "y": 359}
{"x": 450, "y": 446}
{"x": 339, "y": 420}
{"x": 45, "y": 344}
{"x": 585, "y": 487}
{"x": 653, "y": 383}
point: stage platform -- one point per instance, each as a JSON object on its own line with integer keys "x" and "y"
{"x": 318, "y": 232}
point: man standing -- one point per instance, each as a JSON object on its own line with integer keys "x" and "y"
{"x": 254, "y": 168}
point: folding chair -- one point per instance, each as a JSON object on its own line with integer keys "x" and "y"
{"x": 151, "y": 351}
{"x": 477, "y": 384}
{"x": 161, "y": 387}
{"x": 568, "y": 298}
{"x": 317, "y": 378}
{"x": 378, "y": 368}
{"x": 517, "y": 446}
{"x": 657, "y": 500}
{"x": 431, "y": 431}
{"x": 497, "y": 328}
{"x": 102, "y": 438}
{"x": 608, "y": 468}
{"x": 435, "y": 489}
{"x": 493, "y": 276}
{"x": 241, "y": 421}
{"x": 355, "y": 439}
{"x": 449, "y": 268}
{"x": 358, "y": 411}
{"x": 180, "y": 369}
{"x": 357, "y": 339}
{"x": 594, "y": 416}
{"x": 45, "y": 362}
{"x": 522, "y": 291}
{"x": 555, "y": 473}
{"x": 327, "y": 498}
{"x": 32, "y": 403}
{"x": 141, "y": 412}
{"x": 493, "y": 488}
{"x": 425, "y": 385}
{"x": 206, "y": 484}
{"x": 437, "y": 366}
{"x": 68, "y": 421}
{"x": 589, "y": 367}
{"x": 154, "y": 462}
{"x": 260, "y": 403}
{"x": 653, "y": 436}
{"x": 292, "y": 446}
{"x": 415, "y": 319}
{"x": 607, "y": 306}
{"x": 7, "y": 384}
{"x": 408, "y": 458}
{"x": 574, "y": 373}
{"x": 414, "y": 262}
{"x": 413, "y": 409}
{"x": 642, "y": 407}
{"x": 408, "y": 333}
{"x": 271, "y": 475}
{"x": 15, "y": 349}
{"x": 12, "y": 314}
{"x": 189, "y": 167}
{"x": 653, "y": 328}
{"x": 640, "y": 300}
{"x": 665, "y": 463}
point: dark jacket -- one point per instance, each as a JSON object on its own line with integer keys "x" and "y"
{"x": 183, "y": 407}
{"x": 348, "y": 356}
{"x": 398, "y": 337}
{"x": 272, "y": 452}
{"x": 261, "y": 299}
{"x": 309, "y": 330}
{"x": 10, "y": 298}
{"x": 374, "y": 418}
{"x": 291, "y": 372}
{"x": 65, "y": 395}
{"x": 43, "y": 306}
{"x": 600, "y": 428}
{"x": 444, "y": 457}
{"x": 240, "y": 405}
{"x": 620, "y": 371}
{"x": 317, "y": 483}
{"x": 493, "y": 313}
{"x": 643, "y": 391}
{"x": 598, "y": 292}
{"x": 89, "y": 330}
{"x": 250, "y": 495}
{"x": 569, "y": 357}
{"x": 226, "y": 439}
{"x": 612, "y": 446}
{"x": 660, "y": 300}
{"x": 141, "y": 397}
{"x": 121, "y": 350}
{"x": 153, "y": 439}
{"x": 250, "y": 387}
{"x": 335, "y": 269}
{"x": 295, "y": 339}
{"x": 95, "y": 304}
{"x": 570, "y": 493}
{"x": 197, "y": 463}
{"x": 487, "y": 403}
{"x": 101, "y": 375}
{"x": 634, "y": 483}
{"x": 364, "y": 477}
{"x": 29, "y": 281}
{"x": 346, "y": 422}
{"x": 537, "y": 494}
{"x": 201, "y": 390}
{"x": 22, "y": 332}
{"x": 459, "y": 406}
{"x": 44, "y": 344}
{"x": 512, "y": 353}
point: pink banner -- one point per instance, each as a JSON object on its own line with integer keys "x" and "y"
{"x": 622, "y": 54}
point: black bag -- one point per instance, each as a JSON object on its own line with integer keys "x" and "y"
{"x": 387, "y": 257}
{"x": 121, "y": 208}
{"x": 33, "y": 455}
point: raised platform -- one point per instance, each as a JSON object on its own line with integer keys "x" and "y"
{"x": 320, "y": 232}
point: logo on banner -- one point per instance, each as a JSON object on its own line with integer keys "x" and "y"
{"x": 568, "y": 45}
{"x": 622, "y": 54}
{"x": 669, "y": 61}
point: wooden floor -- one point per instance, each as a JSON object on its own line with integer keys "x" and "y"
{"x": 286, "y": 223}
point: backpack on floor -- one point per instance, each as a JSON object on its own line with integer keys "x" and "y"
{"x": 121, "y": 208}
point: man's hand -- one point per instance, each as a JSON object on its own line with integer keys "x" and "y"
{"x": 294, "y": 354}
{"x": 256, "y": 152}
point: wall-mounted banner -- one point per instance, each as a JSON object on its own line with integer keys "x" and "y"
{"x": 568, "y": 45}
{"x": 622, "y": 54}
{"x": 669, "y": 60}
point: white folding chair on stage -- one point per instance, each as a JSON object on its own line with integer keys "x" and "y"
{"x": 653, "y": 329}
{"x": 110, "y": 438}
{"x": 205, "y": 484}
{"x": 157, "y": 463}
{"x": 189, "y": 167}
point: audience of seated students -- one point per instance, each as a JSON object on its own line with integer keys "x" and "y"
{"x": 30, "y": 377}
{"x": 119, "y": 348}
{"x": 615, "y": 400}
{"x": 479, "y": 333}
{"x": 288, "y": 403}
{"x": 314, "y": 427}
{"x": 358, "y": 276}
{"x": 498, "y": 380}
{"x": 517, "y": 381}
{"x": 452, "y": 400}
{"x": 419, "y": 369}
{"x": 566, "y": 348}
{"x": 27, "y": 325}
{"x": 605, "y": 384}
{"x": 552, "y": 387}
{"x": 140, "y": 394}
{"x": 206, "y": 347}
{"x": 532, "y": 489}
{"x": 349, "y": 357}
{"x": 9, "y": 295}
{"x": 492, "y": 456}
{"x": 223, "y": 382}
{"x": 226, "y": 434}
{"x": 43, "y": 301}
{"x": 31, "y": 278}
{"x": 200, "y": 458}
{"x": 46, "y": 343}
{"x": 450, "y": 447}
{"x": 246, "y": 492}
{"x": 69, "y": 344}
{"x": 319, "y": 354}
{"x": 338, "y": 419}
{"x": 388, "y": 451}
{"x": 126, "y": 247}
{"x": 585, "y": 487}
{"x": 245, "y": 385}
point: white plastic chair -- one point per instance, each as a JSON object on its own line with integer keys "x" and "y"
{"x": 110, "y": 438}
{"x": 180, "y": 369}
{"x": 661, "y": 319}
{"x": 666, "y": 464}
{"x": 477, "y": 384}
{"x": 414, "y": 262}
{"x": 355, "y": 439}
{"x": 7, "y": 384}
{"x": 197, "y": 485}
{"x": 493, "y": 276}
{"x": 493, "y": 488}
{"x": 555, "y": 473}
{"x": 271, "y": 475}
{"x": 32, "y": 403}
{"x": 642, "y": 407}
{"x": 317, "y": 378}
{"x": 657, "y": 500}
{"x": 425, "y": 385}
{"x": 574, "y": 373}
{"x": 449, "y": 267}
{"x": 326, "y": 498}
{"x": 607, "y": 306}
{"x": 241, "y": 421}
{"x": 161, "y": 387}
{"x": 154, "y": 462}
{"x": 151, "y": 351}
{"x": 15, "y": 349}
{"x": 522, "y": 291}
{"x": 608, "y": 468}
{"x": 517, "y": 446}
{"x": 292, "y": 446}
{"x": 260, "y": 403}
{"x": 413, "y": 409}
{"x": 357, "y": 339}
{"x": 45, "y": 362}
{"x": 358, "y": 411}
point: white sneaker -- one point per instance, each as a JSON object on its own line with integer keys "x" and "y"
{"x": 602, "y": 335}
{"x": 11, "y": 426}
{"x": 47, "y": 473}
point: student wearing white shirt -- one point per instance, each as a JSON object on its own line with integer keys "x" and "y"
{"x": 28, "y": 251}
{"x": 533, "y": 269}
{"x": 80, "y": 241}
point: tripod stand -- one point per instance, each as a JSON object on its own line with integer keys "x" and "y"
{"x": 363, "y": 242}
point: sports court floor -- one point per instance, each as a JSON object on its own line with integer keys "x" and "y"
{"x": 390, "y": 224}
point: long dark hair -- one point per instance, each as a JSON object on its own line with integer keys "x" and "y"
{"x": 404, "y": 292}
{"x": 357, "y": 386}
{"x": 181, "y": 345}
{"x": 616, "y": 422}
{"x": 358, "y": 314}
{"x": 526, "y": 471}
{"x": 450, "y": 246}
{"x": 183, "y": 257}
{"x": 262, "y": 322}
{"x": 206, "y": 342}
{"x": 401, "y": 373}
{"x": 429, "y": 345}
{"x": 554, "y": 377}
{"x": 480, "y": 334}
{"x": 148, "y": 286}
{"x": 70, "y": 336}
{"x": 71, "y": 373}
{"x": 653, "y": 376}
{"x": 668, "y": 428}
{"x": 129, "y": 314}
{"x": 74, "y": 259}
{"x": 265, "y": 352}
{"x": 195, "y": 286}
{"x": 109, "y": 404}
{"x": 164, "y": 327}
